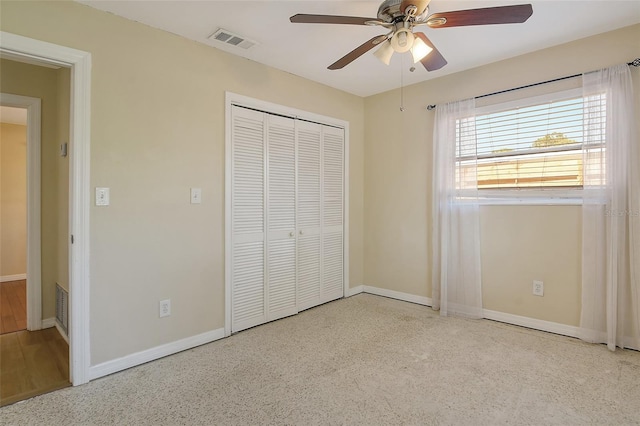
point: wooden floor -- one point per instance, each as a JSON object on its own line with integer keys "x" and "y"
{"x": 32, "y": 363}
{"x": 13, "y": 306}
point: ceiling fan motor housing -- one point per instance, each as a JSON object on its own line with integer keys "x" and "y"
{"x": 392, "y": 11}
{"x": 389, "y": 10}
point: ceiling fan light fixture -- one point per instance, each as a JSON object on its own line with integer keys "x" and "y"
{"x": 402, "y": 40}
{"x": 384, "y": 52}
{"x": 419, "y": 50}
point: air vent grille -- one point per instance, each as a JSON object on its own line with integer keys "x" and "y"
{"x": 62, "y": 308}
{"x": 227, "y": 37}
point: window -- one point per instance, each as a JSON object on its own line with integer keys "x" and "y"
{"x": 532, "y": 145}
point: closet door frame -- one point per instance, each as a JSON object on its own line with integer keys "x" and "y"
{"x": 232, "y": 99}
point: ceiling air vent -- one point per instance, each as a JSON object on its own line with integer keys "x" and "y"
{"x": 228, "y": 37}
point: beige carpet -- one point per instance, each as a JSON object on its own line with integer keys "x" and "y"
{"x": 363, "y": 360}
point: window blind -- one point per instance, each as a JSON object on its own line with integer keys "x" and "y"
{"x": 531, "y": 146}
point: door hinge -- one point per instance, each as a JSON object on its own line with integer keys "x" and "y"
{"x": 71, "y": 238}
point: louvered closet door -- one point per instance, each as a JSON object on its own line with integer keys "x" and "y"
{"x": 287, "y": 207}
{"x": 309, "y": 220}
{"x": 247, "y": 219}
{"x": 332, "y": 213}
{"x": 281, "y": 218}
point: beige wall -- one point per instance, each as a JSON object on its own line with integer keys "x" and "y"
{"x": 519, "y": 243}
{"x": 45, "y": 83}
{"x": 13, "y": 199}
{"x": 157, "y": 129}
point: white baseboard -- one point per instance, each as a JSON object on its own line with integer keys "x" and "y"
{"x": 48, "y": 323}
{"x": 537, "y": 324}
{"x": 551, "y": 327}
{"x": 354, "y": 290}
{"x": 420, "y": 300}
{"x": 62, "y": 333}
{"x": 152, "y": 354}
{"x": 16, "y": 277}
{"x": 632, "y": 343}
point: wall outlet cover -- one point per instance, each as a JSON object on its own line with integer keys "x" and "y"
{"x": 165, "y": 308}
{"x": 102, "y": 196}
{"x": 538, "y": 288}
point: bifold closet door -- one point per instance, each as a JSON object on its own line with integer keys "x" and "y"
{"x": 332, "y": 286}
{"x": 263, "y": 205}
{"x": 320, "y": 214}
{"x": 248, "y": 302}
{"x": 280, "y": 282}
{"x": 309, "y": 214}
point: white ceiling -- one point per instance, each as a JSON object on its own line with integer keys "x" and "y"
{"x": 307, "y": 49}
{"x": 13, "y": 115}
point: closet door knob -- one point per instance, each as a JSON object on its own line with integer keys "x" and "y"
{"x": 301, "y": 232}
{"x": 291, "y": 234}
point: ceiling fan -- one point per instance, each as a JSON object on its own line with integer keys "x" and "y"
{"x": 401, "y": 16}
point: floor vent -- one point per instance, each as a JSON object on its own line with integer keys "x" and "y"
{"x": 62, "y": 308}
{"x": 228, "y": 37}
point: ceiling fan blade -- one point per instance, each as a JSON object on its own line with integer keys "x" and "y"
{"x": 487, "y": 16}
{"x": 301, "y": 18}
{"x": 357, "y": 52}
{"x": 434, "y": 60}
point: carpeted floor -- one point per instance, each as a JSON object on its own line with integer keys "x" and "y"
{"x": 363, "y": 360}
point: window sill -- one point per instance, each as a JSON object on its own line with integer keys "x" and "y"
{"x": 530, "y": 201}
{"x": 532, "y": 197}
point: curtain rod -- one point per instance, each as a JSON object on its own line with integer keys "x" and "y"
{"x": 635, "y": 63}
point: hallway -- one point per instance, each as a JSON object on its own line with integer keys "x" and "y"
{"x": 13, "y": 306}
{"x": 31, "y": 362}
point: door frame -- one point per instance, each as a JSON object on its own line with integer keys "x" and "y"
{"x": 34, "y": 277}
{"x": 29, "y": 50}
{"x": 232, "y": 99}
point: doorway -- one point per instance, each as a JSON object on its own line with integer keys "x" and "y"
{"x": 29, "y": 50}
{"x": 35, "y": 360}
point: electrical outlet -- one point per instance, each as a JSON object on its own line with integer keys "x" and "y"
{"x": 538, "y": 288}
{"x": 102, "y": 196}
{"x": 165, "y": 308}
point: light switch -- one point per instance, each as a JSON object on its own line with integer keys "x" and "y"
{"x": 102, "y": 196}
{"x": 196, "y": 195}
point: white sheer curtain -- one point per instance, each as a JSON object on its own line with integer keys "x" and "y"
{"x": 611, "y": 211}
{"x": 457, "y": 287}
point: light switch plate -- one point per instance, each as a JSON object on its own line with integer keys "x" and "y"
{"x": 102, "y": 196}
{"x": 196, "y": 195}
